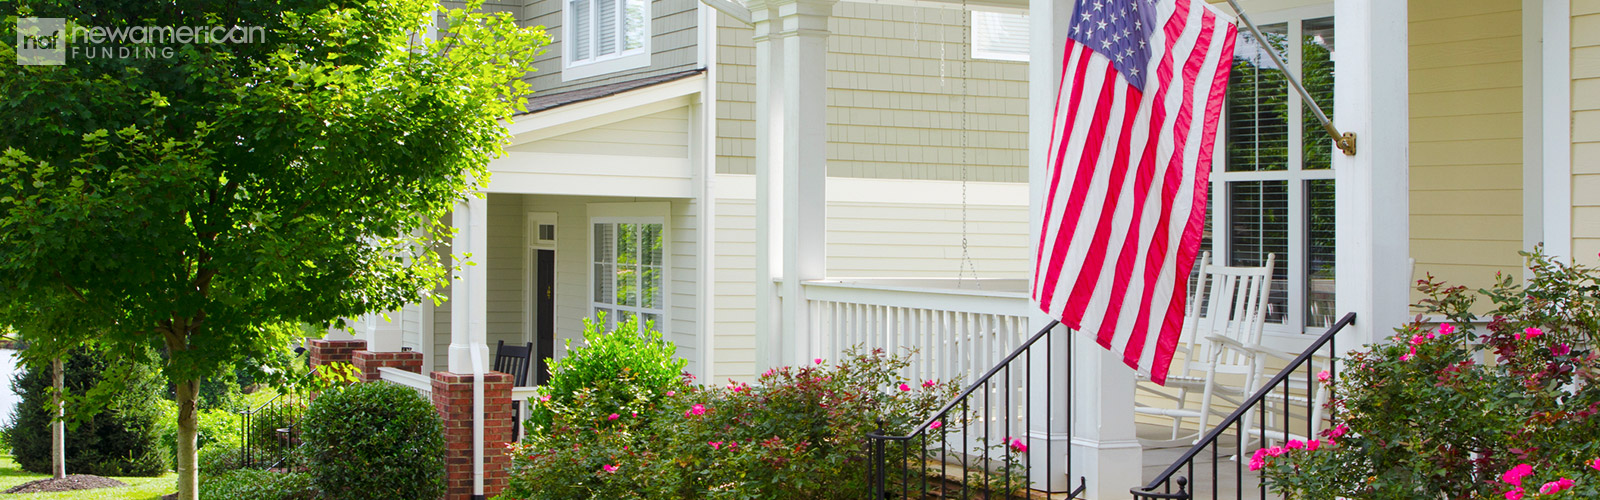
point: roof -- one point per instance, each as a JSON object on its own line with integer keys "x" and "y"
{"x": 549, "y": 101}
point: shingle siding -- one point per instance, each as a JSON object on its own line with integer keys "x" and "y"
{"x": 673, "y": 38}
{"x": 905, "y": 101}
{"x": 1586, "y": 130}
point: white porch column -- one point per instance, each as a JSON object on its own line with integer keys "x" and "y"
{"x": 382, "y": 335}
{"x": 791, "y": 170}
{"x": 1104, "y": 449}
{"x": 468, "y": 307}
{"x": 1372, "y": 222}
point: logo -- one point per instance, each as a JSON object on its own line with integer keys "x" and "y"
{"x": 41, "y": 41}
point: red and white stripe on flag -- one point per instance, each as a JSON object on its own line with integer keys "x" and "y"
{"x": 1136, "y": 122}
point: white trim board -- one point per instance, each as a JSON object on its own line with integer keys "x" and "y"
{"x": 907, "y": 191}
{"x": 592, "y": 175}
{"x": 1557, "y": 92}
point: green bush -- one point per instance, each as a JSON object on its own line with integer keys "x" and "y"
{"x": 374, "y": 441}
{"x": 119, "y": 439}
{"x": 797, "y": 434}
{"x": 248, "y": 484}
{"x": 638, "y": 355}
{"x": 1506, "y": 412}
{"x": 216, "y": 460}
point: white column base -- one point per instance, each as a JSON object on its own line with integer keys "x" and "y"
{"x": 1110, "y": 467}
{"x": 461, "y": 356}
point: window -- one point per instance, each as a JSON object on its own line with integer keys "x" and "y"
{"x": 1000, "y": 36}
{"x": 1273, "y": 193}
{"x": 604, "y": 36}
{"x": 629, "y": 265}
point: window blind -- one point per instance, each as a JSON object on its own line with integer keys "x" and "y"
{"x": 998, "y": 35}
{"x": 1258, "y": 112}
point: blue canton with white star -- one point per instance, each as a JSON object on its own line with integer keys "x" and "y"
{"x": 1119, "y": 30}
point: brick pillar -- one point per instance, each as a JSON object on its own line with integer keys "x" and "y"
{"x": 334, "y": 351}
{"x": 368, "y": 362}
{"x": 452, "y": 397}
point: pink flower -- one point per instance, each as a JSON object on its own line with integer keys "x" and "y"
{"x": 767, "y": 373}
{"x": 1312, "y": 445}
{"x": 697, "y": 409}
{"x": 1515, "y": 475}
{"x": 715, "y": 445}
{"x": 1417, "y": 340}
{"x": 1564, "y": 483}
{"x": 937, "y": 424}
{"x": 1338, "y": 431}
{"x": 1446, "y": 329}
{"x": 1529, "y": 333}
{"x": 1561, "y": 349}
{"x": 1276, "y": 451}
{"x": 672, "y": 393}
{"x": 1257, "y": 463}
{"x": 613, "y": 416}
{"x": 1548, "y": 488}
{"x": 545, "y": 397}
{"x": 817, "y": 361}
{"x": 904, "y": 388}
{"x": 928, "y": 383}
{"x": 1295, "y": 444}
{"x": 733, "y": 444}
{"x": 1595, "y": 464}
{"x": 1018, "y": 445}
{"x": 1514, "y": 494}
{"x": 1408, "y": 356}
{"x": 609, "y": 468}
{"x": 634, "y": 413}
{"x": 1324, "y": 376}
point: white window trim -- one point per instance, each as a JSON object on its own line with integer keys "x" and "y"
{"x": 601, "y": 65}
{"x": 634, "y": 213}
{"x": 1285, "y": 336}
{"x": 988, "y": 55}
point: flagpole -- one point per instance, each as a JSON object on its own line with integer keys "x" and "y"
{"x": 1345, "y": 141}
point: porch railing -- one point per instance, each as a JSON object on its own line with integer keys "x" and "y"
{"x": 269, "y": 433}
{"x": 992, "y": 440}
{"x": 959, "y": 329}
{"x": 1271, "y": 414}
{"x": 416, "y": 381}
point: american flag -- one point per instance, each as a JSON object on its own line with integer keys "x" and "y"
{"x": 1142, "y": 90}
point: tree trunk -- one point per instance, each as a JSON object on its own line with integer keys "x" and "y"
{"x": 188, "y": 424}
{"x": 58, "y": 424}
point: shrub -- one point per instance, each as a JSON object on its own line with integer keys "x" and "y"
{"x": 120, "y": 438}
{"x": 215, "y": 460}
{"x": 798, "y": 433}
{"x": 248, "y": 484}
{"x": 374, "y": 441}
{"x": 1502, "y": 413}
{"x": 638, "y": 355}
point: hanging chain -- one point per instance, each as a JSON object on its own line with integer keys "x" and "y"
{"x": 966, "y": 64}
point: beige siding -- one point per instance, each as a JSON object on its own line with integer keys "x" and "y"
{"x": 672, "y": 43}
{"x": 875, "y": 240}
{"x": 1586, "y": 130}
{"x": 664, "y": 134}
{"x": 905, "y": 101}
{"x": 1466, "y": 139}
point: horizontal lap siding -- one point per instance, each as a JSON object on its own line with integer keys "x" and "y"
{"x": 1466, "y": 139}
{"x": 664, "y": 135}
{"x": 864, "y": 240}
{"x": 898, "y": 105}
{"x": 1586, "y": 130}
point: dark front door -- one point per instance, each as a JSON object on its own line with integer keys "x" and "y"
{"x": 545, "y": 312}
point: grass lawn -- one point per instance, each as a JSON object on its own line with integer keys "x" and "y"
{"x": 139, "y": 488}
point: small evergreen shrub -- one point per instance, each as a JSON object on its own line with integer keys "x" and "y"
{"x": 250, "y": 484}
{"x": 216, "y": 460}
{"x": 121, "y": 438}
{"x": 374, "y": 441}
{"x": 648, "y": 365}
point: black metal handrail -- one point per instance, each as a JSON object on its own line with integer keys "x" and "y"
{"x": 879, "y": 463}
{"x": 275, "y": 452}
{"x": 1256, "y": 402}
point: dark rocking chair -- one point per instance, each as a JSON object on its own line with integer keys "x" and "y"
{"x": 516, "y": 361}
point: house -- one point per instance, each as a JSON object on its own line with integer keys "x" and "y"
{"x": 776, "y": 180}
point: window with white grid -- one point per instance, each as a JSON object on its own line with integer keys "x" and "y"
{"x": 629, "y": 269}
{"x": 1273, "y": 191}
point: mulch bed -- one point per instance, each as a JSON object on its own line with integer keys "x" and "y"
{"x": 70, "y": 483}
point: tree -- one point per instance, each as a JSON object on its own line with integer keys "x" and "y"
{"x": 197, "y": 202}
{"x": 119, "y": 440}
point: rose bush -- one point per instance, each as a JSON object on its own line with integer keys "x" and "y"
{"x": 798, "y": 432}
{"x": 1448, "y": 411}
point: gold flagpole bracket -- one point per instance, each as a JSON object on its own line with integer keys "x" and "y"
{"x": 1346, "y": 141}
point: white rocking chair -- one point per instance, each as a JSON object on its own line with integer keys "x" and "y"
{"x": 1221, "y": 344}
